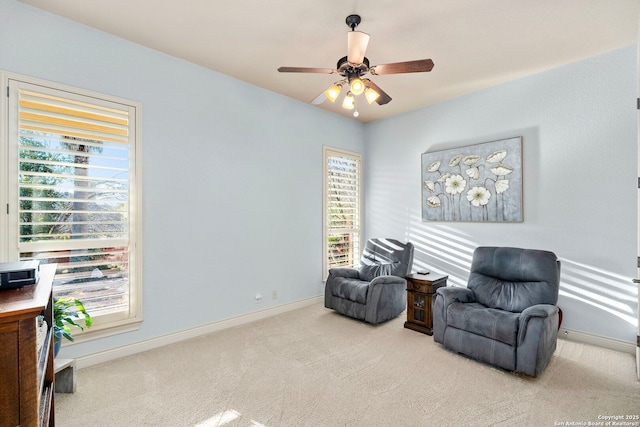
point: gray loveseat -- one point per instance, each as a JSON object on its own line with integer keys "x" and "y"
{"x": 507, "y": 316}
{"x": 376, "y": 291}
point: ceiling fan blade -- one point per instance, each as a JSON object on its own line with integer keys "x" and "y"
{"x": 357, "y": 43}
{"x": 384, "y": 98}
{"x": 306, "y": 70}
{"x": 418, "y": 66}
{"x": 319, "y": 99}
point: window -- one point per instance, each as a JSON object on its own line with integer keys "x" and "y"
{"x": 342, "y": 208}
{"x": 73, "y": 195}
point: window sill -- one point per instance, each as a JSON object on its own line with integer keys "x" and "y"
{"x": 102, "y": 331}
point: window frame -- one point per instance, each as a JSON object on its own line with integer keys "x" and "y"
{"x": 103, "y": 325}
{"x": 328, "y": 152}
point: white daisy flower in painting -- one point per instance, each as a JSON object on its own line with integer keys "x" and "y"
{"x": 444, "y": 177}
{"x": 471, "y": 160}
{"x": 455, "y": 160}
{"x": 455, "y": 184}
{"x": 430, "y": 185}
{"x": 501, "y": 170}
{"x": 497, "y": 156}
{"x": 478, "y": 196}
{"x": 502, "y": 185}
{"x": 434, "y": 202}
{"x": 473, "y": 173}
{"x": 434, "y": 166}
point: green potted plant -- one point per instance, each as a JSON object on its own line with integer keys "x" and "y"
{"x": 65, "y": 313}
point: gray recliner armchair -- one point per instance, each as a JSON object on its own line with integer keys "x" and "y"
{"x": 376, "y": 291}
{"x": 507, "y": 316}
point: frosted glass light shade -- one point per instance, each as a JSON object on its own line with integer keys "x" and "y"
{"x": 333, "y": 92}
{"x": 371, "y": 95}
{"x": 357, "y": 86}
{"x": 349, "y": 102}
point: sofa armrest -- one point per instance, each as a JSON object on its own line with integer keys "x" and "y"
{"x": 349, "y": 273}
{"x": 537, "y": 336}
{"x": 441, "y": 301}
{"x": 334, "y": 274}
{"x": 544, "y": 311}
{"x": 387, "y": 280}
{"x": 454, "y": 294}
{"x": 386, "y": 298}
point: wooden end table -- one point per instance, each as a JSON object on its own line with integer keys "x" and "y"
{"x": 420, "y": 290}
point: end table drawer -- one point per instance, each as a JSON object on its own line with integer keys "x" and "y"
{"x": 422, "y": 287}
{"x": 426, "y": 284}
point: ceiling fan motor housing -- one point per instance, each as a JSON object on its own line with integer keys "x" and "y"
{"x": 349, "y": 70}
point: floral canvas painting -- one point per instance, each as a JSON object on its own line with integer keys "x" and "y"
{"x": 480, "y": 182}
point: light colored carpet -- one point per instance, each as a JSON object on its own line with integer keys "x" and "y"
{"x": 314, "y": 367}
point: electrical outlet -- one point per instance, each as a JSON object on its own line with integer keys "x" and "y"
{"x": 274, "y": 294}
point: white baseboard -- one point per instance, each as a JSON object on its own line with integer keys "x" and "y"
{"x": 597, "y": 340}
{"x": 128, "y": 350}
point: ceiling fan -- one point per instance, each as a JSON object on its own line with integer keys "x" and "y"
{"x": 354, "y": 66}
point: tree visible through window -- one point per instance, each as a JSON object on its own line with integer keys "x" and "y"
{"x": 342, "y": 213}
{"x": 74, "y": 195}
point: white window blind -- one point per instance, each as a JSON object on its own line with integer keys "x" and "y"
{"x": 73, "y": 162}
{"x": 342, "y": 210}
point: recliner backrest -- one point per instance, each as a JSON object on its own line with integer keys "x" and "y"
{"x": 396, "y": 255}
{"x": 513, "y": 279}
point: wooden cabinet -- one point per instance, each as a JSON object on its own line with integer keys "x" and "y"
{"x": 26, "y": 371}
{"x": 420, "y": 290}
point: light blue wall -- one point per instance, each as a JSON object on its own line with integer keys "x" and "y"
{"x": 578, "y": 124}
{"x": 232, "y": 173}
{"x": 232, "y": 185}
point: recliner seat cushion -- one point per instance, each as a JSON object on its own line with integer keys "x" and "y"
{"x": 351, "y": 289}
{"x": 478, "y": 319}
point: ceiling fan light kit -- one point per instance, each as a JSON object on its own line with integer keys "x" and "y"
{"x": 354, "y": 66}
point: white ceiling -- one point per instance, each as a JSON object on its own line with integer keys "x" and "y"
{"x": 473, "y": 43}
